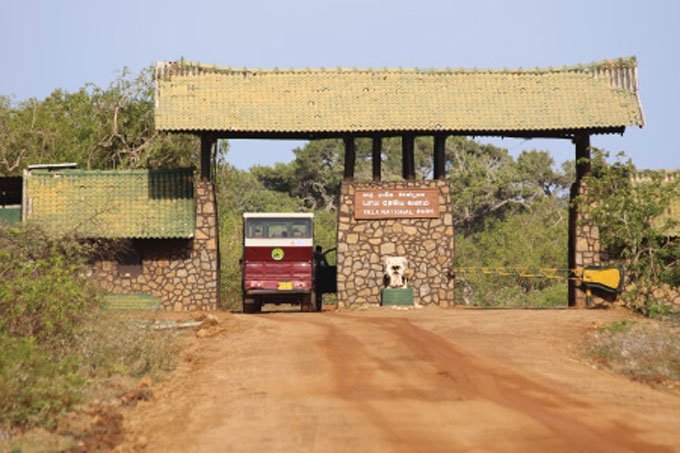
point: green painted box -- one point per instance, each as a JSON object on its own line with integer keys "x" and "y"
{"x": 10, "y": 215}
{"x": 397, "y": 296}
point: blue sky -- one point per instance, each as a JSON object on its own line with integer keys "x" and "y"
{"x": 64, "y": 44}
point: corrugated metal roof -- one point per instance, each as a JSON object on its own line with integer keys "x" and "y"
{"x": 114, "y": 204}
{"x": 193, "y": 96}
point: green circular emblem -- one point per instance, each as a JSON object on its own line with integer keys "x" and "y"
{"x": 277, "y": 254}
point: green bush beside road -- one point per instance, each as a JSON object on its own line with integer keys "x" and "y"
{"x": 57, "y": 343}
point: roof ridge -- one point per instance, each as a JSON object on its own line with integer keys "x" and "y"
{"x": 186, "y": 66}
{"x": 122, "y": 172}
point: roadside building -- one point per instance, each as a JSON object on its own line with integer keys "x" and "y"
{"x": 161, "y": 227}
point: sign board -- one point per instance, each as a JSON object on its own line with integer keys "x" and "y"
{"x": 396, "y": 203}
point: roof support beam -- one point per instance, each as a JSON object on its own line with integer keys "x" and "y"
{"x": 376, "y": 153}
{"x": 350, "y": 158}
{"x": 527, "y": 134}
{"x": 582, "y": 142}
{"x": 208, "y": 143}
{"x": 439, "y": 156}
{"x": 408, "y": 167}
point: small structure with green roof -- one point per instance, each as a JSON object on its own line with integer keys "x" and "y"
{"x": 160, "y": 224}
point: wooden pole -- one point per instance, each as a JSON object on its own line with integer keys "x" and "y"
{"x": 582, "y": 142}
{"x": 350, "y": 158}
{"x": 377, "y": 157}
{"x": 583, "y": 167}
{"x": 439, "y": 157}
{"x": 207, "y": 144}
{"x": 408, "y": 168}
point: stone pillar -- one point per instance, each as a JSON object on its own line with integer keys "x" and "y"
{"x": 205, "y": 253}
{"x": 584, "y": 238}
{"x": 363, "y": 245}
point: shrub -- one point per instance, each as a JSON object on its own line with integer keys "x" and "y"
{"x": 34, "y": 386}
{"x": 44, "y": 296}
{"x": 43, "y": 291}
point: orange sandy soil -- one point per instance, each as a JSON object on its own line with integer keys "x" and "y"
{"x": 384, "y": 380}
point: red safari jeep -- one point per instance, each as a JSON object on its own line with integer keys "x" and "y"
{"x": 277, "y": 260}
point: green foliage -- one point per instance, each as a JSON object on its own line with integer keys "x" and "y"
{"x": 651, "y": 305}
{"x": 35, "y": 387}
{"x": 43, "y": 298}
{"x": 241, "y": 191}
{"x": 535, "y": 238}
{"x": 54, "y": 336}
{"x": 627, "y": 208}
{"x": 622, "y": 325}
{"x": 489, "y": 184}
{"x": 231, "y": 252}
{"x": 43, "y": 293}
{"x": 671, "y": 276}
{"x": 95, "y": 127}
{"x": 326, "y": 231}
{"x": 313, "y": 177}
{"x": 484, "y": 292}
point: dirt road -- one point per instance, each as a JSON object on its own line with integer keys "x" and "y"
{"x": 428, "y": 380}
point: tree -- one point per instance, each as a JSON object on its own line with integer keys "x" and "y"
{"x": 93, "y": 127}
{"x": 487, "y": 182}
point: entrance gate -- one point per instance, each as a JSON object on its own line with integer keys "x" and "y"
{"x": 570, "y": 103}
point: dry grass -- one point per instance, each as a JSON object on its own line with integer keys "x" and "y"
{"x": 114, "y": 343}
{"x": 645, "y": 351}
{"x": 112, "y": 356}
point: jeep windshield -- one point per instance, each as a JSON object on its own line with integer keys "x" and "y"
{"x": 278, "y": 228}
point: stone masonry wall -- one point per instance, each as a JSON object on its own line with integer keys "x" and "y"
{"x": 184, "y": 273}
{"x": 587, "y": 247}
{"x": 363, "y": 245}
